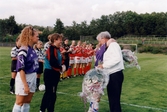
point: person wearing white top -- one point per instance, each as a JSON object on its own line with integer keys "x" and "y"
{"x": 113, "y": 66}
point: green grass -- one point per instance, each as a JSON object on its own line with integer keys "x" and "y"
{"x": 143, "y": 91}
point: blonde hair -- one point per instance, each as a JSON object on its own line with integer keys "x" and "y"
{"x": 49, "y": 36}
{"x": 36, "y": 45}
{"x": 26, "y": 34}
{"x": 39, "y": 41}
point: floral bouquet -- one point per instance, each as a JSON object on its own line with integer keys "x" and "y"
{"x": 130, "y": 59}
{"x": 93, "y": 86}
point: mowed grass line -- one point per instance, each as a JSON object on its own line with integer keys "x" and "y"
{"x": 141, "y": 89}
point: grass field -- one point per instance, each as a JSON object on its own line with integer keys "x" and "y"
{"x": 143, "y": 91}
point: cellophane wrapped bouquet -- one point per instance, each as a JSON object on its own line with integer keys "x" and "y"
{"x": 93, "y": 86}
{"x": 130, "y": 59}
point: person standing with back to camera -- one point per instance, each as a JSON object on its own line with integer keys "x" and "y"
{"x": 47, "y": 44}
{"x": 52, "y": 67}
{"x": 27, "y": 66}
{"x": 113, "y": 65}
{"x": 66, "y": 48}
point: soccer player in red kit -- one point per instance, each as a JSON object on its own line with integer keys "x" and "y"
{"x": 78, "y": 58}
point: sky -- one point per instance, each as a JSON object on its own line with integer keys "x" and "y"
{"x": 46, "y": 12}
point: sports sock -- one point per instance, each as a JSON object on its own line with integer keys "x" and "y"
{"x": 78, "y": 70}
{"x": 12, "y": 82}
{"x": 83, "y": 70}
{"x": 25, "y": 107}
{"x": 65, "y": 74}
{"x": 69, "y": 71}
{"x": 38, "y": 82}
{"x": 61, "y": 75}
{"x": 16, "y": 108}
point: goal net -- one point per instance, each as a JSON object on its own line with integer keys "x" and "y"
{"x": 87, "y": 39}
{"x": 132, "y": 47}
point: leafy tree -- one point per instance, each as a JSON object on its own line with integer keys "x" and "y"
{"x": 44, "y": 35}
{"x": 118, "y": 24}
{"x": 59, "y": 26}
{"x": 12, "y": 26}
{"x": 83, "y": 28}
{"x": 94, "y": 28}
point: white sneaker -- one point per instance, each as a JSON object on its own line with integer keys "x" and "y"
{"x": 11, "y": 92}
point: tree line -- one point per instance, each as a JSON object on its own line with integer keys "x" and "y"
{"x": 118, "y": 24}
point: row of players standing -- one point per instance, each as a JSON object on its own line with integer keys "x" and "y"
{"x": 78, "y": 59}
{"x": 23, "y": 54}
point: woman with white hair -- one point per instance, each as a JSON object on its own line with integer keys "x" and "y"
{"x": 112, "y": 65}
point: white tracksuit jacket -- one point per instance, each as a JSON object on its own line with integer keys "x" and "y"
{"x": 112, "y": 59}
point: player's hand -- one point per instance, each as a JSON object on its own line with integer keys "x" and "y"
{"x": 64, "y": 51}
{"x": 100, "y": 66}
{"x": 26, "y": 89}
{"x": 41, "y": 61}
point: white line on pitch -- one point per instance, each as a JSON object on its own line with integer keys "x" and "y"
{"x": 133, "y": 105}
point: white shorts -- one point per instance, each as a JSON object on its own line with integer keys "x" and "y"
{"x": 83, "y": 60}
{"x": 72, "y": 61}
{"x": 31, "y": 81}
{"x": 77, "y": 59}
{"x": 89, "y": 59}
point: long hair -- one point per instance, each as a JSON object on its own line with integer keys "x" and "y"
{"x": 26, "y": 34}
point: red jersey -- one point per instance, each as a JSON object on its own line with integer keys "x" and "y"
{"x": 84, "y": 52}
{"x": 72, "y": 53}
{"x": 78, "y": 50}
{"x": 91, "y": 52}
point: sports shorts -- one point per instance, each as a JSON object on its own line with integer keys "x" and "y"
{"x": 77, "y": 59}
{"x": 13, "y": 65}
{"x": 31, "y": 81}
{"x": 72, "y": 61}
{"x": 40, "y": 69}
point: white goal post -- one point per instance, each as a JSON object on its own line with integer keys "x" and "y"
{"x": 131, "y": 45}
{"x": 90, "y": 38}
